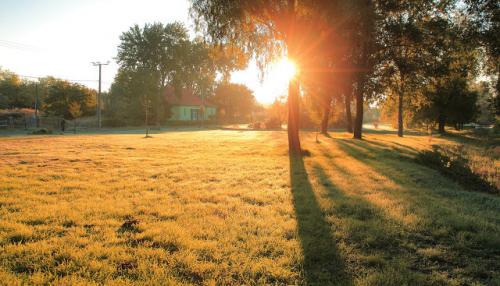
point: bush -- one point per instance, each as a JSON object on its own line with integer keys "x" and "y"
{"x": 41, "y": 131}
{"x": 451, "y": 162}
{"x": 256, "y": 125}
{"x": 273, "y": 123}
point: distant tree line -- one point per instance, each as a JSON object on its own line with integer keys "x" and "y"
{"x": 419, "y": 61}
{"x": 55, "y": 97}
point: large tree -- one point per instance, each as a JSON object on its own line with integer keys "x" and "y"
{"x": 403, "y": 41}
{"x": 268, "y": 29}
{"x": 15, "y": 92}
{"x": 158, "y": 55}
{"x": 161, "y": 52}
{"x": 132, "y": 92}
{"x": 450, "y": 67}
{"x": 364, "y": 56}
{"x": 68, "y": 99}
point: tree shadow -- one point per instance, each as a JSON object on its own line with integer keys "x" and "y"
{"x": 402, "y": 169}
{"x": 444, "y": 212}
{"x": 357, "y": 213}
{"x": 394, "y": 132}
{"x": 392, "y": 145}
{"x": 472, "y": 139}
{"x": 322, "y": 264}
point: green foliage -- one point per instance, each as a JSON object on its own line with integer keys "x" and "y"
{"x": 129, "y": 96}
{"x": 158, "y": 55}
{"x": 69, "y": 100}
{"x": 235, "y": 101}
{"x": 484, "y": 28}
{"x": 451, "y": 103}
{"x": 149, "y": 58}
{"x": 14, "y": 92}
{"x": 445, "y": 65}
{"x": 57, "y": 97}
{"x": 228, "y": 58}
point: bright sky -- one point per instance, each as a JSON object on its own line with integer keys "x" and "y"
{"x": 61, "y": 38}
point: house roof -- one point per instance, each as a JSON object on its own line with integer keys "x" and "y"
{"x": 187, "y": 98}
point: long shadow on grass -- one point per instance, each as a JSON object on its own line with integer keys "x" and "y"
{"x": 473, "y": 139}
{"x": 449, "y": 212}
{"x": 385, "y": 131}
{"x": 399, "y": 166}
{"x": 322, "y": 262}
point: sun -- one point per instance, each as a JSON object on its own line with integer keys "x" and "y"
{"x": 285, "y": 69}
{"x": 274, "y": 83}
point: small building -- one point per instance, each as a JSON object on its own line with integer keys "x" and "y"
{"x": 188, "y": 107}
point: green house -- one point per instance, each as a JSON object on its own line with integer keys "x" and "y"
{"x": 188, "y": 107}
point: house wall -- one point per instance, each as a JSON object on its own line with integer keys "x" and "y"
{"x": 183, "y": 113}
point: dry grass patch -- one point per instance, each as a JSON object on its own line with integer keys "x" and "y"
{"x": 231, "y": 208}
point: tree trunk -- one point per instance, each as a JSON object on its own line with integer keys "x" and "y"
{"x": 400, "y": 109}
{"x": 159, "y": 109}
{"x": 358, "y": 123}
{"x": 441, "y": 123}
{"x": 348, "y": 115}
{"x": 293, "y": 86}
{"x": 293, "y": 118}
{"x": 326, "y": 117}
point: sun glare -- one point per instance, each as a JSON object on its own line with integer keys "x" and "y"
{"x": 286, "y": 69}
{"x": 275, "y": 81}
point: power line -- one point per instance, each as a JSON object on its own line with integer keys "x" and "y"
{"x": 18, "y": 46}
{"x": 73, "y": 80}
{"x": 39, "y": 77}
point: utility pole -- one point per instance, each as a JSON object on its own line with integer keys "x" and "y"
{"x": 98, "y": 105}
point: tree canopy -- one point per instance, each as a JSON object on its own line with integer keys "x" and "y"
{"x": 235, "y": 101}
{"x": 69, "y": 100}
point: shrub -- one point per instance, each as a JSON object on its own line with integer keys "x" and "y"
{"x": 273, "y": 123}
{"x": 451, "y": 162}
{"x": 255, "y": 125}
{"x": 41, "y": 131}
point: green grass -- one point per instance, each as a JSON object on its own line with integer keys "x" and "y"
{"x": 231, "y": 208}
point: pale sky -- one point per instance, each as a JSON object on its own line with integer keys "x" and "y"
{"x": 61, "y": 38}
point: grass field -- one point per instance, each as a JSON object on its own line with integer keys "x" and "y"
{"x": 231, "y": 208}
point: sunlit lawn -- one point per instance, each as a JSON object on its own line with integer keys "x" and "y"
{"x": 231, "y": 208}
